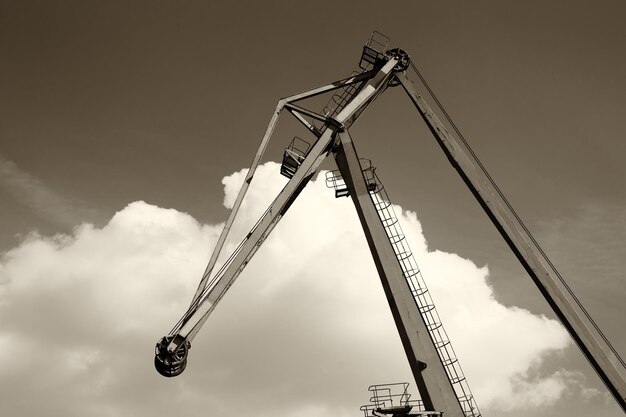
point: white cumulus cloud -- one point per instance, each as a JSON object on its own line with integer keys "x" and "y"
{"x": 304, "y": 330}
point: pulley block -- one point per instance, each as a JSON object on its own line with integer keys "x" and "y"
{"x": 403, "y": 58}
{"x": 167, "y": 363}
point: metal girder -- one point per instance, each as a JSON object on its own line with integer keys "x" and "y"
{"x": 310, "y": 126}
{"x": 364, "y": 76}
{"x": 593, "y": 346}
{"x": 194, "y": 320}
{"x": 242, "y": 192}
{"x": 299, "y": 113}
{"x": 306, "y": 112}
{"x": 435, "y": 388}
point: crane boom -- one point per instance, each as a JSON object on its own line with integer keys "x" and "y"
{"x": 171, "y": 351}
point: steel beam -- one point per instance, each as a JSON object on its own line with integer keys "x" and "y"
{"x": 242, "y": 193}
{"x": 306, "y": 112}
{"x": 364, "y": 76}
{"x": 593, "y": 346}
{"x": 433, "y": 383}
{"x": 310, "y": 126}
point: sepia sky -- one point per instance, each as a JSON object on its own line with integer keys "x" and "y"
{"x": 124, "y": 126}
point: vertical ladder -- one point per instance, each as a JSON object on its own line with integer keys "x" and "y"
{"x": 422, "y": 296}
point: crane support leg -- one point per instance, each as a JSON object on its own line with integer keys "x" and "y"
{"x": 595, "y": 348}
{"x": 433, "y": 383}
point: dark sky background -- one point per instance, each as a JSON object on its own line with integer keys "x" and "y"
{"x": 105, "y": 103}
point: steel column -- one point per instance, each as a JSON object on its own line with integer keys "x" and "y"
{"x": 435, "y": 388}
{"x": 590, "y": 342}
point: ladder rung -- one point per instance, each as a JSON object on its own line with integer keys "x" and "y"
{"x": 427, "y": 308}
{"x": 419, "y": 291}
{"x": 396, "y": 238}
{"x": 403, "y": 255}
{"x": 441, "y": 344}
{"x": 433, "y": 326}
{"x": 449, "y": 362}
{"x": 457, "y": 380}
{"x": 388, "y": 222}
{"x": 410, "y": 273}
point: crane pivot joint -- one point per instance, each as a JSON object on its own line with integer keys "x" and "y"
{"x": 170, "y": 358}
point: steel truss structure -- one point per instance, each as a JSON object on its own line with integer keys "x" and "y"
{"x": 440, "y": 381}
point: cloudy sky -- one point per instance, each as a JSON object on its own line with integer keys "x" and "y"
{"x": 124, "y": 127}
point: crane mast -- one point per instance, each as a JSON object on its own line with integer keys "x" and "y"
{"x": 440, "y": 380}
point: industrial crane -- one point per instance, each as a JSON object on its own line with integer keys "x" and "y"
{"x": 440, "y": 381}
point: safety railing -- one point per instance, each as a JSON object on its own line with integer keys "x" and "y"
{"x": 293, "y": 156}
{"x": 335, "y": 180}
{"x": 374, "y": 51}
{"x": 373, "y": 54}
{"x": 394, "y": 400}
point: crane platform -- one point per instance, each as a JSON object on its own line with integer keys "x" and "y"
{"x": 394, "y": 400}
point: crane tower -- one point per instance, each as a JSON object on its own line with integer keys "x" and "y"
{"x": 441, "y": 383}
